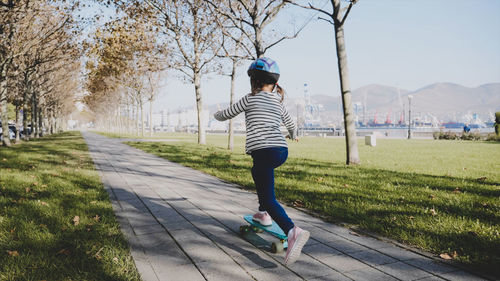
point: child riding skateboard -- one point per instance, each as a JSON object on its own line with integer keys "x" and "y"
{"x": 264, "y": 113}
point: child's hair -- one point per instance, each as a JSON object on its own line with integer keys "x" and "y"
{"x": 258, "y": 84}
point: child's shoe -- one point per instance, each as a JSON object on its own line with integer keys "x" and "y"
{"x": 297, "y": 238}
{"x": 263, "y": 218}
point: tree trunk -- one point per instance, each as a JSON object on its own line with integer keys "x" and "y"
{"x": 3, "y": 109}
{"x": 51, "y": 121}
{"x": 25, "y": 117}
{"x": 18, "y": 133}
{"x": 151, "y": 117}
{"x": 142, "y": 117}
{"x": 230, "y": 144}
{"x": 40, "y": 123}
{"x": 349, "y": 125}
{"x": 5, "y": 122}
{"x": 137, "y": 118}
{"x": 199, "y": 108}
{"x": 33, "y": 115}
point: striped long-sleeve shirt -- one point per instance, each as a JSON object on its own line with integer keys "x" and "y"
{"x": 264, "y": 114}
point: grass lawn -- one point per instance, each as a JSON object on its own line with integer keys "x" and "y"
{"x": 56, "y": 220}
{"x": 159, "y": 135}
{"x": 440, "y": 196}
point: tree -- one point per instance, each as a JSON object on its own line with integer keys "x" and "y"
{"x": 153, "y": 83}
{"x": 190, "y": 27}
{"x": 252, "y": 18}
{"x": 32, "y": 33}
{"x": 232, "y": 50}
{"x": 337, "y": 17}
{"x": 244, "y": 24}
{"x": 122, "y": 56}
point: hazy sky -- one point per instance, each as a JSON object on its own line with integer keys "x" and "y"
{"x": 403, "y": 43}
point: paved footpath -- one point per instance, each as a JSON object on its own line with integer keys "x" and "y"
{"x": 182, "y": 224}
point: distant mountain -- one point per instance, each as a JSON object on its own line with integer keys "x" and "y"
{"x": 443, "y": 100}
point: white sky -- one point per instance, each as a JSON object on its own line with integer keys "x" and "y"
{"x": 401, "y": 43}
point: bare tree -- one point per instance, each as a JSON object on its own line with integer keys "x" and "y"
{"x": 252, "y": 18}
{"x": 189, "y": 25}
{"x": 232, "y": 50}
{"x": 153, "y": 84}
{"x": 337, "y": 16}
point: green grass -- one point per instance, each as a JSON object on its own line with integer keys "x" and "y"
{"x": 44, "y": 184}
{"x": 440, "y": 196}
{"x": 159, "y": 135}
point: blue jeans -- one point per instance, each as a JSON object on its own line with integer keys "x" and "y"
{"x": 264, "y": 162}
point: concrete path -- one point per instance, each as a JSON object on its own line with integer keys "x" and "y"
{"x": 182, "y": 224}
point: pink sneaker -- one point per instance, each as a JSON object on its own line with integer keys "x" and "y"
{"x": 263, "y": 218}
{"x": 297, "y": 238}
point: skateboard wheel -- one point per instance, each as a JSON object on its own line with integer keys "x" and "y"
{"x": 256, "y": 229}
{"x": 277, "y": 247}
{"x": 243, "y": 229}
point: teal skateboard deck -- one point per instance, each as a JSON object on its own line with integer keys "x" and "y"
{"x": 273, "y": 229}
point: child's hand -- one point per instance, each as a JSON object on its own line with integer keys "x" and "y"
{"x": 296, "y": 138}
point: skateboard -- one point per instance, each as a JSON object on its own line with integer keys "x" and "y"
{"x": 274, "y": 230}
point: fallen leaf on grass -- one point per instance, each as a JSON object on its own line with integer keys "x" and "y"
{"x": 4, "y": 159}
{"x": 65, "y": 252}
{"x": 411, "y": 217}
{"x": 13, "y": 253}
{"x": 76, "y": 220}
{"x": 346, "y": 185}
{"x": 115, "y": 259}
{"x": 432, "y": 196}
{"x": 457, "y": 190}
{"x": 433, "y": 212}
{"x": 320, "y": 179}
{"x": 64, "y": 228}
{"x": 93, "y": 202}
{"x": 96, "y": 218}
{"x": 35, "y": 183}
{"x": 43, "y": 203}
{"x": 13, "y": 230}
{"x": 27, "y": 189}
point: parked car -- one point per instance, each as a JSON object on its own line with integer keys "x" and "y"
{"x": 12, "y": 135}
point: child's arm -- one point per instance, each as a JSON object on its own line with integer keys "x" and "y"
{"x": 233, "y": 110}
{"x": 289, "y": 124}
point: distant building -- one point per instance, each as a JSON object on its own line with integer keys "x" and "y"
{"x": 179, "y": 120}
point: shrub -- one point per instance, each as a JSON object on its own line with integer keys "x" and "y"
{"x": 497, "y": 123}
{"x": 492, "y": 137}
{"x": 470, "y": 136}
{"x": 454, "y": 136}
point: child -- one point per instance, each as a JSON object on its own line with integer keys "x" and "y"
{"x": 264, "y": 113}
